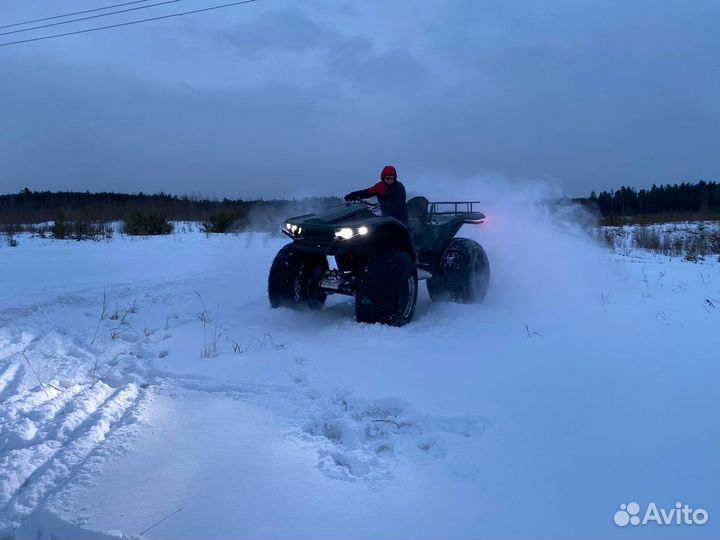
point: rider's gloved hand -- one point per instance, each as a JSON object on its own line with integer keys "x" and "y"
{"x": 352, "y": 196}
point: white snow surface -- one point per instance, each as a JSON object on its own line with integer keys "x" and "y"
{"x": 586, "y": 380}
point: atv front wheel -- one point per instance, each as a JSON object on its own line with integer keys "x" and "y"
{"x": 387, "y": 289}
{"x": 294, "y": 279}
{"x": 464, "y": 273}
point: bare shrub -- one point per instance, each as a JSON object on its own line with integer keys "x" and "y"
{"x": 11, "y": 232}
{"x": 610, "y": 237}
{"x": 647, "y": 238}
{"x": 715, "y": 242}
{"x": 210, "y": 348}
{"x": 89, "y": 230}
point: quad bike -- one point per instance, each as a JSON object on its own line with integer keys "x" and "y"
{"x": 351, "y": 250}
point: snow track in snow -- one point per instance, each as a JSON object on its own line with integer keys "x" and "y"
{"x": 47, "y": 440}
{"x": 55, "y": 409}
{"x": 10, "y": 379}
{"x": 363, "y": 439}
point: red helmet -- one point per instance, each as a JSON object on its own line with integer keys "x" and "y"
{"x": 388, "y": 170}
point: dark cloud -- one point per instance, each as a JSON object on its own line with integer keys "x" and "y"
{"x": 281, "y": 99}
{"x": 285, "y": 30}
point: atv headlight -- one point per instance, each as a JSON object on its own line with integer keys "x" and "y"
{"x": 292, "y": 230}
{"x": 346, "y": 232}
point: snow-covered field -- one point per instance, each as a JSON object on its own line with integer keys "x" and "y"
{"x": 147, "y": 388}
{"x": 691, "y": 240}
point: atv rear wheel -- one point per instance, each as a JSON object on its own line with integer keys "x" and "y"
{"x": 295, "y": 278}
{"x": 387, "y": 289}
{"x": 464, "y": 273}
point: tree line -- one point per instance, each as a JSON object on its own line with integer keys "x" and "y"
{"x": 701, "y": 200}
{"x": 145, "y": 211}
{"x": 142, "y": 212}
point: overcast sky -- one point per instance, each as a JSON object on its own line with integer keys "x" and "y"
{"x": 283, "y": 98}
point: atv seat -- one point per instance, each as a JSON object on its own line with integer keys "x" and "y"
{"x": 417, "y": 217}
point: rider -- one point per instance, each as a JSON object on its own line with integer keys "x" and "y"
{"x": 390, "y": 194}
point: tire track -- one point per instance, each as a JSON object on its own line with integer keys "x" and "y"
{"x": 51, "y": 464}
{"x": 10, "y": 379}
{"x": 51, "y": 419}
{"x": 24, "y": 457}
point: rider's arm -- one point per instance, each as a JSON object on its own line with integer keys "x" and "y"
{"x": 377, "y": 189}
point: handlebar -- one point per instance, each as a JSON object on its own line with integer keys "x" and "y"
{"x": 372, "y": 206}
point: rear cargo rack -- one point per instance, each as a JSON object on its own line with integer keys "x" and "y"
{"x": 465, "y": 209}
{"x": 453, "y": 207}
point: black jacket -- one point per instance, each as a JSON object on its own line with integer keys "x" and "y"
{"x": 391, "y": 198}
